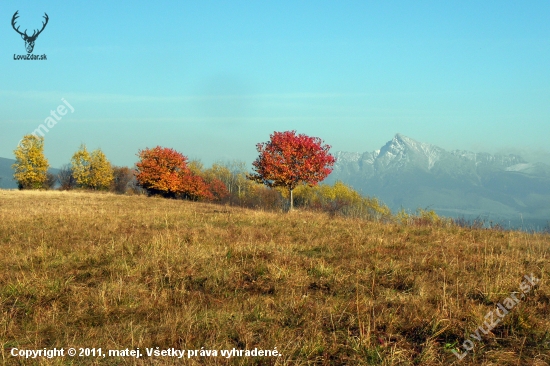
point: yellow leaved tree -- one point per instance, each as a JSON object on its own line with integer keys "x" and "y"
{"x": 31, "y": 166}
{"x": 340, "y": 198}
{"x": 233, "y": 175}
{"x": 91, "y": 170}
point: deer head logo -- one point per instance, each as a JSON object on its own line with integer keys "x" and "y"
{"x": 29, "y": 40}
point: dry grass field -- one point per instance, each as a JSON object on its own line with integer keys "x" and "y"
{"x": 115, "y": 272}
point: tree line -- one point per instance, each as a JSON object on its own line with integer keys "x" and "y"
{"x": 286, "y": 173}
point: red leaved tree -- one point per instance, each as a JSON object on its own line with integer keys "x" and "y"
{"x": 288, "y": 160}
{"x": 218, "y": 189}
{"x": 164, "y": 171}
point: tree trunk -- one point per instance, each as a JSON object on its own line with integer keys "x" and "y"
{"x": 291, "y": 200}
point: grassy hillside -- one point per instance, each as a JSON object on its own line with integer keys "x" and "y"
{"x": 117, "y": 272}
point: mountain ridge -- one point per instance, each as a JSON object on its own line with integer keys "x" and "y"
{"x": 6, "y": 173}
{"x": 408, "y": 174}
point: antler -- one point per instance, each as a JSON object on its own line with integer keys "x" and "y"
{"x": 29, "y": 40}
{"x": 34, "y": 35}
{"x": 15, "y": 16}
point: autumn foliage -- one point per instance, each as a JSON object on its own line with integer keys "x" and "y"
{"x": 164, "y": 171}
{"x": 31, "y": 167}
{"x": 218, "y": 189}
{"x": 289, "y": 160}
{"x": 91, "y": 170}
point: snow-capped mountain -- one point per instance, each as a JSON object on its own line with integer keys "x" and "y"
{"x": 405, "y": 173}
{"x": 402, "y": 152}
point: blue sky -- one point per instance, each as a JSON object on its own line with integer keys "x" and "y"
{"x": 211, "y": 78}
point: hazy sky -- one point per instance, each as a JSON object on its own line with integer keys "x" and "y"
{"x": 213, "y": 78}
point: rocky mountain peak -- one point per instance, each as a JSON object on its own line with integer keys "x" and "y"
{"x": 402, "y": 149}
{"x": 409, "y": 174}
